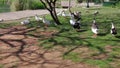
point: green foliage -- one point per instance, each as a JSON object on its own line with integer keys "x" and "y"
{"x": 15, "y": 6}
{"x": 36, "y": 5}
{"x": 26, "y": 4}
{"x": 3, "y": 6}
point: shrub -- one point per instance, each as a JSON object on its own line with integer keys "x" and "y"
{"x": 26, "y": 4}
{"x": 37, "y": 5}
{"x": 15, "y": 6}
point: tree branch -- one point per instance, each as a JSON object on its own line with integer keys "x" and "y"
{"x": 45, "y": 5}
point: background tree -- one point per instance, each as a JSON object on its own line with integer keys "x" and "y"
{"x": 50, "y": 5}
{"x": 87, "y": 1}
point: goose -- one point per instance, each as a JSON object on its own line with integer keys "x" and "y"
{"x": 77, "y": 15}
{"x": 113, "y": 30}
{"x": 37, "y": 18}
{"x": 94, "y": 28}
{"x": 96, "y": 13}
{"x": 60, "y": 13}
{"x": 1, "y": 20}
{"x": 63, "y": 13}
{"x": 74, "y": 23}
{"x": 27, "y": 21}
{"x": 77, "y": 26}
{"x": 46, "y": 22}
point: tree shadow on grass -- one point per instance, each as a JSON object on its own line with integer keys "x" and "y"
{"x": 69, "y": 41}
{"x": 23, "y": 52}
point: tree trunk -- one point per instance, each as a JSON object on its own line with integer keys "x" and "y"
{"x": 70, "y": 6}
{"x": 55, "y": 18}
{"x": 55, "y": 15}
{"x": 50, "y": 6}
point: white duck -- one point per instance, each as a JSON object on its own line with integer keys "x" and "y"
{"x": 37, "y": 18}
{"x": 113, "y": 29}
{"x": 94, "y": 28}
{"x": 27, "y": 21}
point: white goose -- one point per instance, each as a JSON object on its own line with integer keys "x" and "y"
{"x": 1, "y": 20}
{"x": 72, "y": 20}
{"x": 59, "y": 13}
{"x": 113, "y": 29}
{"x": 46, "y": 22}
{"x": 27, "y": 21}
{"x": 94, "y": 28}
{"x": 63, "y": 13}
{"x": 37, "y": 18}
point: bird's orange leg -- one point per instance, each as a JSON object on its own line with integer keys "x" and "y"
{"x": 45, "y": 26}
{"x": 95, "y": 35}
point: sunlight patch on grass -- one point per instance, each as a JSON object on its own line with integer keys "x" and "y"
{"x": 99, "y": 63}
{"x": 73, "y": 56}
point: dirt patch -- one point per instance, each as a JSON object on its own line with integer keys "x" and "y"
{"x": 19, "y": 50}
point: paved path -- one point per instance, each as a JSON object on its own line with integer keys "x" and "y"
{"x": 22, "y": 14}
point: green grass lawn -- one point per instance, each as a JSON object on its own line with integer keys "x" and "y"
{"x": 103, "y": 51}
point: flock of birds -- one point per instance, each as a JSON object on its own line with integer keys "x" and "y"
{"x": 38, "y": 19}
{"x": 75, "y": 22}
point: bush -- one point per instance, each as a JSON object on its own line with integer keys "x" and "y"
{"x": 15, "y": 6}
{"x": 37, "y": 5}
{"x": 26, "y": 4}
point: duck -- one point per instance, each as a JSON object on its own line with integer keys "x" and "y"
{"x": 37, "y": 18}
{"x": 94, "y": 28}
{"x": 27, "y": 21}
{"x": 113, "y": 29}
